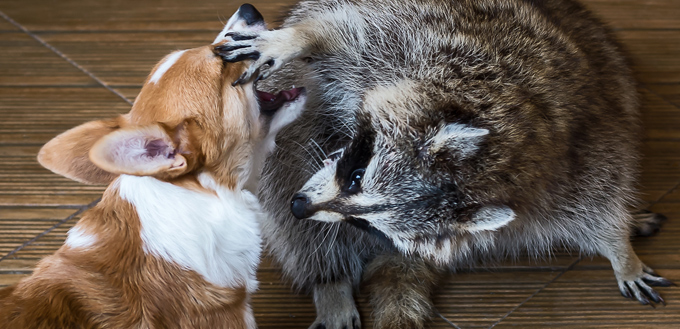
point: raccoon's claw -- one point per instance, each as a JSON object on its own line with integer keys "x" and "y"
{"x": 239, "y": 36}
{"x": 270, "y": 50}
{"x": 640, "y": 289}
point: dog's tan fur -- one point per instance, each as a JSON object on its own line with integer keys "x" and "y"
{"x": 208, "y": 128}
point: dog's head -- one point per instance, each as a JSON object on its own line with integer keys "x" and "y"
{"x": 188, "y": 118}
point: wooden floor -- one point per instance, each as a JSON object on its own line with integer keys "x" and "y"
{"x": 66, "y": 62}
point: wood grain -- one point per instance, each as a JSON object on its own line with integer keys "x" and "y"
{"x": 125, "y": 58}
{"x": 119, "y": 41}
{"x": 33, "y": 115}
{"x": 653, "y": 54}
{"x": 25, "y": 62}
{"x": 130, "y": 15}
{"x": 6, "y": 26}
{"x": 636, "y": 14}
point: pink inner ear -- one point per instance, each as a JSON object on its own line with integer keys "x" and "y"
{"x": 158, "y": 147}
{"x": 135, "y": 151}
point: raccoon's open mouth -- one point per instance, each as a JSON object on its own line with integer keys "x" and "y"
{"x": 270, "y": 103}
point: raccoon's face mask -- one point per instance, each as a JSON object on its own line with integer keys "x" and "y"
{"x": 394, "y": 186}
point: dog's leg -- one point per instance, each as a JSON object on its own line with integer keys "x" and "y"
{"x": 401, "y": 291}
{"x": 335, "y": 307}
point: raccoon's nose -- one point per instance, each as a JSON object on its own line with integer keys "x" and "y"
{"x": 300, "y": 206}
{"x": 250, "y": 14}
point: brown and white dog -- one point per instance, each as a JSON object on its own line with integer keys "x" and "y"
{"x": 174, "y": 242}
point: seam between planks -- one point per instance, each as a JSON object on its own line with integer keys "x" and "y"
{"x": 436, "y": 312}
{"x": 570, "y": 267}
{"x": 73, "y": 215}
{"x": 62, "y": 55}
{"x": 650, "y": 90}
{"x": 92, "y": 76}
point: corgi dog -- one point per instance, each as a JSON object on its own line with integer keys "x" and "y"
{"x": 174, "y": 241}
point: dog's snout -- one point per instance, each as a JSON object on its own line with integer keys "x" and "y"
{"x": 300, "y": 206}
{"x": 248, "y": 13}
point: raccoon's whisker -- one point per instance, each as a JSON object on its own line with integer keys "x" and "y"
{"x": 336, "y": 228}
{"x": 309, "y": 161}
{"x": 320, "y": 149}
{"x": 328, "y": 231}
{"x": 221, "y": 18}
{"x": 317, "y": 154}
{"x": 306, "y": 149}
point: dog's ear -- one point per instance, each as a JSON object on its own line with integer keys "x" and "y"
{"x": 68, "y": 153}
{"x": 141, "y": 151}
{"x": 458, "y": 139}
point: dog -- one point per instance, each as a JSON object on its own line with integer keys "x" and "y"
{"x": 175, "y": 241}
{"x": 441, "y": 133}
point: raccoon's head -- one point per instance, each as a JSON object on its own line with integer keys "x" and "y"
{"x": 403, "y": 185}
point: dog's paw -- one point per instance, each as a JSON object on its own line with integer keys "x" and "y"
{"x": 640, "y": 288}
{"x": 269, "y": 49}
{"x": 348, "y": 320}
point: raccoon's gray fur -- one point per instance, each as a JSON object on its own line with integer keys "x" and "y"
{"x": 484, "y": 128}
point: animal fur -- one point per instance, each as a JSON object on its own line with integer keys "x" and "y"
{"x": 480, "y": 129}
{"x": 175, "y": 240}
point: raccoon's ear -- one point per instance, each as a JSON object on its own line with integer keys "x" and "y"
{"x": 489, "y": 218}
{"x": 459, "y": 138}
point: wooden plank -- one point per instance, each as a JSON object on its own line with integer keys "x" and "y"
{"x": 33, "y": 115}
{"x": 590, "y": 298}
{"x": 9, "y": 279}
{"x": 636, "y": 14}
{"x": 660, "y": 168}
{"x": 125, "y": 58}
{"x": 21, "y": 224}
{"x": 668, "y": 91}
{"x": 5, "y": 26}
{"x": 654, "y": 54}
{"x": 130, "y": 15}
{"x": 130, "y": 92}
{"x": 660, "y": 117}
{"x": 186, "y": 15}
{"x": 24, "y": 182}
{"x": 45, "y": 245}
{"x": 25, "y": 62}
{"x": 479, "y": 299}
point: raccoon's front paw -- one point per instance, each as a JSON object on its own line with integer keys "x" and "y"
{"x": 270, "y": 50}
{"x": 335, "y": 306}
{"x": 639, "y": 288}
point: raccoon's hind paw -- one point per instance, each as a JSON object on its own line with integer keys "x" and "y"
{"x": 647, "y": 223}
{"x": 269, "y": 49}
{"x": 640, "y": 288}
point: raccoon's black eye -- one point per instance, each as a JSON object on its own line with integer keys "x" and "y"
{"x": 355, "y": 181}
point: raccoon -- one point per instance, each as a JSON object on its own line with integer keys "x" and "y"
{"x": 438, "y": 133}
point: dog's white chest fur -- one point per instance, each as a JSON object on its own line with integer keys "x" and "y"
{"x": 216, "y": 236}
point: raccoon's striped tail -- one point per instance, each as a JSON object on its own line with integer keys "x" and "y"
{"x": 647, "y": 223}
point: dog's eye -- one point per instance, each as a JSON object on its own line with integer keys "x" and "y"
{"x": 355, "y": 181}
